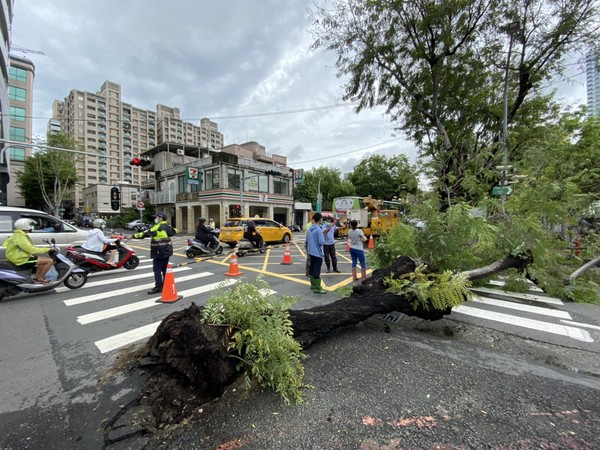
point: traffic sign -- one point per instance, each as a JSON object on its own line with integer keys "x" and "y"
{"x": 501, "y": 190}
{"x": 140, "y": 204}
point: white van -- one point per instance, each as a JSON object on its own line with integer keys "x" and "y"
{"x": 47, "y": 227}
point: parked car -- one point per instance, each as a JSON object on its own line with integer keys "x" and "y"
{"x": 295, "y": 227}
{"x": 135, "y": 225}
{"x": 47, "y": 227}
{"x": 271, "y": 231}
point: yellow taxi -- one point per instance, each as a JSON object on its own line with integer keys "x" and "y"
{"x": 271, "y": 231}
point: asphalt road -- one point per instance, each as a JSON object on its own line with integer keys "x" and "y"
{"x": 488, "y": 373}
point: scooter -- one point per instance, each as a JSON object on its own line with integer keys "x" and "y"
{"x": 14, "y": 281}
{"x": 197, "y": 248}
{"x": 245, "y": 246}
{"x": 96, "y": 261}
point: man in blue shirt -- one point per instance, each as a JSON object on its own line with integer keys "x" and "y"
{"x": 329, "y": 245}
{"x": 314, "y": 247}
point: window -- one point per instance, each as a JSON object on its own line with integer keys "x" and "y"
{"x": 181, "y": 184}
{"x": 17, "y": 134}
{"x": 212, "y": 179}
{"x": 280, "y": 186}
{"x": 233, "y": 178}
{"x": 17, "y": 93}
{"x": 14, "y": 73}
{"x": 16, "y": 154}
{"x": 17, "y": 113}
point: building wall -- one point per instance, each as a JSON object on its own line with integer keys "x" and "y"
{"x": 6, "y": 15}
{"x": 593, "y": 81}
{"x": 20, "y": 80}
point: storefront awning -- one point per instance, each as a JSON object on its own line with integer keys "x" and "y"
{"x": 302, "y": 206}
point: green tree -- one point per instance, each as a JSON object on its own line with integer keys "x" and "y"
{"x": 384, "y": 178}
{"x": 49, "y": 174}
{"x": 439, "y": 68}
{"x": 325, "y": 180}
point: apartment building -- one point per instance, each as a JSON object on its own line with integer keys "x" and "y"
{"x": 113, "y": 132}
{"x": 593, "y": 81}
{"x": 6, "y": 15}
{"x": 21, "y": 74}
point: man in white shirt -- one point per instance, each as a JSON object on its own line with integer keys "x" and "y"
{"x": 97, "y": 242}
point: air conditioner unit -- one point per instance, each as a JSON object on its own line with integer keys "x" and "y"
{"x": 181, "y": 151}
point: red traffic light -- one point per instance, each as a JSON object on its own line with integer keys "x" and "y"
{"x": 136, "y": 162}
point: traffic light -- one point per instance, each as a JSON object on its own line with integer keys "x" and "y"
{"x": 115, "y": 198}
{"x": 140, "y": 162}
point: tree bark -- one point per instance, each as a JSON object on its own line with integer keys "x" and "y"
{"x": 587, "y": 266}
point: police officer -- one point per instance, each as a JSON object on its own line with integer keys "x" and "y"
{"x": 161, "y": 248}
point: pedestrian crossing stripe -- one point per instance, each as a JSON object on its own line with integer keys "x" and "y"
{"x": 129, "y": 337}
{"x": 571, "y": 332}
{"x": 521, "y": 307}
{"x": 519, "y": 295}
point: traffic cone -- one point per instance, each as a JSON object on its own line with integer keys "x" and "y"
{"x": 287, "y": 256}
{"x": 234, "y": 270}
{"x": 169, "y": 292}
{"x": 371, "y": 242}
{"x": 348, "y": 245}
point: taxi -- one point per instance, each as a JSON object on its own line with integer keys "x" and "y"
{"x": 271, "y": 231}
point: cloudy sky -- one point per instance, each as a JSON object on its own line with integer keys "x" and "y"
{"x": 244, "y": 63}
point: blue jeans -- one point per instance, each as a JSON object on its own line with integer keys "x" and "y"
{"x": 359, "y": 255}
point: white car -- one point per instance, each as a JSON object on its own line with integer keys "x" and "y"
{"x": 47, "y": 227}
{"x": 135, "y": 225}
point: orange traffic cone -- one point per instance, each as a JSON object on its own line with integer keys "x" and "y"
{"x": 169, "y": 292}
{"x": 348, "y": 245}
{"x": 371, "y": 242}
{"x": 234, "y": 270}
{"x": 287, "y": 256}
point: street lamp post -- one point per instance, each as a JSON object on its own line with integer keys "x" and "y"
{"x": 319, "y": 197}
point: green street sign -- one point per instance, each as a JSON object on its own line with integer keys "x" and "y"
{"x": 501, "y": 190}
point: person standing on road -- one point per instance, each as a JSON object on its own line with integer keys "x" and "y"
{"x": 357, "y": 250}
{"x": 314, "y": 245}
{"x": 307, "y": 267}
{"x": 329, "y": 245}
{"x": 161, "y": 248}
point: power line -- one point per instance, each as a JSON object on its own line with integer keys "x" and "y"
{"x": 362, "y": 149}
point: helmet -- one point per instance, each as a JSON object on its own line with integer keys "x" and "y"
{"x": 201, "y": 220}
{"x": 98, "y": 223}
{"x": 162, "y": 215}
{"x": 25, "y": 224}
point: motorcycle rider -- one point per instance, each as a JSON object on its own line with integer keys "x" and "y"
{"x": 97, "y": 242}
{"x": 161, "y": 248}
{"x": 22, "y": 253}
{"x": 253, "y": 235}
{"x": 204, "y": 234}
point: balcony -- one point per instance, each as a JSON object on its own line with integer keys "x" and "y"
{"x": 187, "y": 196}
{"x": 160, "y": 198}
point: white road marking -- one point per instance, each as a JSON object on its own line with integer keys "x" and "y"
{"x": 519, "y": 295}
{"x": 129, "y": 290}
{"x": 572, "y": 332}
{"x": 113, "y": 280}
{"x": 521, "y": 307}
{"x": 122, "y": 339}
{"x": 129, "y": 337}
{"x": 124, "y": 309}
{"x": 531, "y": 286}
{"x": 584, "y": 325}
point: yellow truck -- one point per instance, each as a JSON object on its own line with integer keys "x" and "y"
{"x": 374, "y": 217}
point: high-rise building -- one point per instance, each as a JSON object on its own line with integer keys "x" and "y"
{"x": 593, "y": 81}
{"x": 113, "y": 132}
{"x": 6, "y": 15}
{"x": 21, "y": 74}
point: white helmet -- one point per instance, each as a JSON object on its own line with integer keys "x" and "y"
{"x": 25, "y": 224}
{"x": 98, "y": 223}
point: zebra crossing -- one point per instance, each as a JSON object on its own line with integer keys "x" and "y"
{"x": 108, "y": 305}
{"x": 117, "y": 305}
{"x": 532, "y": 311}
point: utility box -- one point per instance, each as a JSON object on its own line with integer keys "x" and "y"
{"x": 360, "y": 215}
